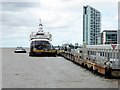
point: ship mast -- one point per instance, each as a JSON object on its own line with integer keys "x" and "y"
{"x": 40, "y": 26}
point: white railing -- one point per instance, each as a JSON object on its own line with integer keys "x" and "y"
{"x": 42, "y": 36}
{"x": 104, "y": 54}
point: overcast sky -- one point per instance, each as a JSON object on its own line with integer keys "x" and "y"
{"x": 62, "y": 18}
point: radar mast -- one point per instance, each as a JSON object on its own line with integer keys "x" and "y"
{"x": 40, "y": 26}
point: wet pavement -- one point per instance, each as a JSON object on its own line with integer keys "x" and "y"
{"x": 21, "y": 71}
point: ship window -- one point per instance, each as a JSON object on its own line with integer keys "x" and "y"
{"x": 40, "y": 34}
{"x": 43, "y": 45}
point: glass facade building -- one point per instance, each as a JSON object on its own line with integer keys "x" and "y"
{"x": 91, "y": 25}
{"x": 109, "y": 37}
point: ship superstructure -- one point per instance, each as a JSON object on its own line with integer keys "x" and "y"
{"x": 41, "y": 34}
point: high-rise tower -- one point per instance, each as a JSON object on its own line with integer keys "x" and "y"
{"x": 91, "y": 25}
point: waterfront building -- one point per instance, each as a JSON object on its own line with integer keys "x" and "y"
{"x": 91, "y": 25}
{"x": 109, "y": 37}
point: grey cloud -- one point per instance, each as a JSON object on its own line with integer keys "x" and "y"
{"x": 17, "y": 19}
{"x": 57, "y": 27}
{"x": 13, "y": 14}
{"x": 17, "y": 6}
